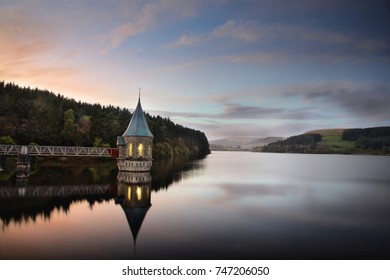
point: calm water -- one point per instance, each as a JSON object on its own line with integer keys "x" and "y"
{"x": 231, "y": 205}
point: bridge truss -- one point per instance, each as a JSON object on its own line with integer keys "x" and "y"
{"x": 56, "y": 151}
{"x": 44, "y": 191}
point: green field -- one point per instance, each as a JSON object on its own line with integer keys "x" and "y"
{"x": 331, "y": 141}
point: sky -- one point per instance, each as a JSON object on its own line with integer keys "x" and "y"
{"x": 229, "y": 68}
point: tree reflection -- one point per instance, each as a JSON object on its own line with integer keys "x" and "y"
{"x": 58, "y": 187}
{"x": 168, "y": 171}
{"x": 25, "y": 203}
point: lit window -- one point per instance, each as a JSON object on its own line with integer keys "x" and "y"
{"x": 139, "y": 193}
{"x": 140, "y": 150}
{"x": 129, "y": 193}
{"x": 131, "y": 149}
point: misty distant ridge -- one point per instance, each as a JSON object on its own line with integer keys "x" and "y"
{"x": 240, "y": 143}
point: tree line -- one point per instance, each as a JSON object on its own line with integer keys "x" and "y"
{"x": 303, "y": 143}
{"x": 39, "y": 117}
{"x": 368, "y": 138}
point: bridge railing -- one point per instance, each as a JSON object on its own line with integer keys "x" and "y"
{"x": 55, "y": 151}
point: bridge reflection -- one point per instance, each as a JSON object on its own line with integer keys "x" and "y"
{"x": 23, "y": 203}
{"x": 24, "y": 190}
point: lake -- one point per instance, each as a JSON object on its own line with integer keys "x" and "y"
{"x": 230, "y": 205}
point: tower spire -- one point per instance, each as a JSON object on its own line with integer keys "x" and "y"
{"x": 139, "y": 93}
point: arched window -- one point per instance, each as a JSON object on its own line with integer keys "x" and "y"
{"x": 141, "y": 150}
{"x": 139, "y": 193}
{"x": 148, "y": 193}
{"x": 130, "y": 151}
{"x": 149, "y": 151}
{"x": 128, "y": 193}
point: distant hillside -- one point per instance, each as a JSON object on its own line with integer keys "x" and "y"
{"x": 240, "y": 143}
{"x": 373, "y": 140}
{"x": 327, "y": 132}
{"x": 40, "y": 117}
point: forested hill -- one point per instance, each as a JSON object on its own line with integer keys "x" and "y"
{"x": 33, "y": 116}
{"x": 372, "y": 140}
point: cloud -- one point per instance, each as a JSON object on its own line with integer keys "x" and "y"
{"x": 181, "y": 67}
{"x": 371, "y": 45}
{"x": 187, "y": 40}
{"x": 247, "y": 31}
{"x": 219, "y": 129}
{"x": 237, "y": 111}
{"x": 278, "y": 42}
{"x": 303, "y": 108}
{"x": 315, "y": 43}
{"x": 260, "y": 124}
{"x": 143, "y": 22}
{"x": 234, "y": 111}
{"x": 371, "y": 101}
{"x": 257, "y": 57}
{"x": 171, "y": 114}
{"x": 147, "y": 19}
{"x": 250, "y": 31}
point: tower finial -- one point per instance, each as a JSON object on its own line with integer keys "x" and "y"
{"x": 139, "y": 93}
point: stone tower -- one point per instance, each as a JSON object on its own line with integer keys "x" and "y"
{"x": 136, "y": 144}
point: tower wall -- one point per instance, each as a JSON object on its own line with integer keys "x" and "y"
{"x": 136, "y": 151}
{"x": 136, "y": 144}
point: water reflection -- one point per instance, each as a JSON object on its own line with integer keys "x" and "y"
{"x": 134, "y": 195}
{"x": 25, "y": 203}
{"x": 168, "y": 171}
{"x": 229, "y": 206}
{"x": 62, "y": 172}
{"x": 57, "y": 185}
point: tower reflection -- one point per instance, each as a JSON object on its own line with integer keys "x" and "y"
{"x": 134, "y": 195}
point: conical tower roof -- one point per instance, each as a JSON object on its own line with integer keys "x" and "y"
{"x": 135, "y": 218}
{"x": 138, "y": 125}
